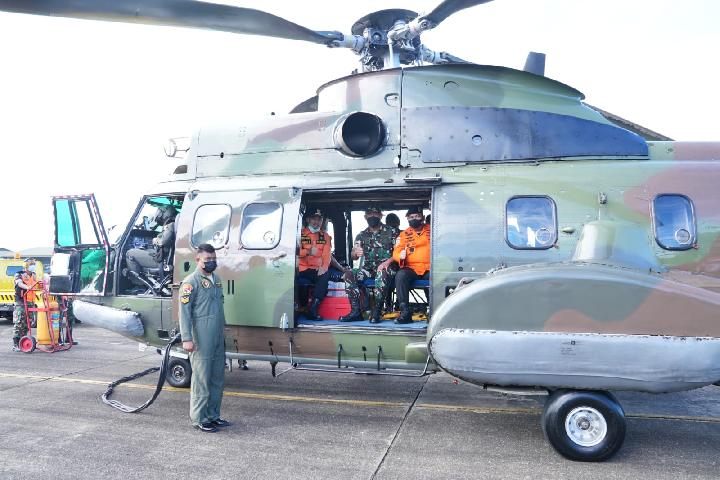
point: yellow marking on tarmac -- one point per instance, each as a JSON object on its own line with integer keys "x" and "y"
{"x": 291, "y": 398}
{"x": 227, "y": 393}
{"x": 686, "y": 418}
{"x": 538, "y": 411}
{"x": 483, "y": 410}
{"x": 360, "y": 403}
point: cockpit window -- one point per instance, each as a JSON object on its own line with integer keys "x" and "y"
{"x": 261, "y": 223}
{"x": 674, "y": 220}
{"x": 530, "y": 223}
{"x": 211, "y": 225}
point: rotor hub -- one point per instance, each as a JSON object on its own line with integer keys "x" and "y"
{"x": 382, "y": 20}
{"x": 386, "y": 44}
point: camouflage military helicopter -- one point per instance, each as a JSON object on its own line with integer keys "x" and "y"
{"x": 569, "y": 255}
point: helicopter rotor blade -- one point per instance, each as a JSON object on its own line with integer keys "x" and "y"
{"x": 174, "y": 13}
{"x": 449, "y": 7}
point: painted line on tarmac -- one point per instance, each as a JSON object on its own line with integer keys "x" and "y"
{"x": 227, "y": 393}
{"x": 538, "y": 411}
{"x": 482, "y": 410}
{"x": 359, "y": 403}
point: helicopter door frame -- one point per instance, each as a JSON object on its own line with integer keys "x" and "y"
{"x": 268, "y": 257}
{"x": 121, "y": 245}
{"x": 426, "y": 187}
{"x": 79, "y": 247}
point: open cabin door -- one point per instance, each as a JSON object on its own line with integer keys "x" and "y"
{"x": 255, "y": 235}
{"x": 80, "y": 261}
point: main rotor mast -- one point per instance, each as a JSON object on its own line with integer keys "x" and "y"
{"x": 391, "y": 38}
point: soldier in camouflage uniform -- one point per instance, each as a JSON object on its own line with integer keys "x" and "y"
{"x": 373, "y": 246}
{"x": 24, "y": 281}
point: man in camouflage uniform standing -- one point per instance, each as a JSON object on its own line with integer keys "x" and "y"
{"x": 373, "y": 246}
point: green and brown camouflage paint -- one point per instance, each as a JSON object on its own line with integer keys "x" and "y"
{"x": 641, "y": 289}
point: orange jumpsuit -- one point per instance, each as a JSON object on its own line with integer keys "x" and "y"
{"x": 309, "y": 264}
{"x": 417, "y": 249}
{"x": 322, "y": 242}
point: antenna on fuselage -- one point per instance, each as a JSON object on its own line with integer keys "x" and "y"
{"x": 535, "y": 63}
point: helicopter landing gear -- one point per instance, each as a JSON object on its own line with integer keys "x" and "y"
{"x": 179, "y": 372}
{"x": 587, "y": 426}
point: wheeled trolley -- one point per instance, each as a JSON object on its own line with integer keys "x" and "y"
{"x": 52, "y": 331}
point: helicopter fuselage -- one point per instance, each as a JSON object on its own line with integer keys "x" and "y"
{"x": 566, "y": 252}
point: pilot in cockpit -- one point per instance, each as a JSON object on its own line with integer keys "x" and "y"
{"x": 154, "y": 254}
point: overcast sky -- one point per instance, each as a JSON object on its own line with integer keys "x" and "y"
{"x": 86, "y": 106}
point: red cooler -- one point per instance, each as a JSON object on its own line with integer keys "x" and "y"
{"x": 336, "y": 303}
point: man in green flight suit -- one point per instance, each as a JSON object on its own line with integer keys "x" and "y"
{"x": 373, "y": 247}
{"x": 202, "y": 321}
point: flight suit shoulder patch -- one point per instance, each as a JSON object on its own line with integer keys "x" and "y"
{"x": 185, "y": 291}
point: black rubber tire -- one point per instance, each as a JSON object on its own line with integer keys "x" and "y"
{"x": 562, "y": 402}
{"x": 179, "y": 372}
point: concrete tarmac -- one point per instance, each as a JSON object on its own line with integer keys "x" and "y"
{"x": 309, "y": 425}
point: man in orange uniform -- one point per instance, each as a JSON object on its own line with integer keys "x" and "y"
{"x": 315, "y": 255}
{"x": 412, "y": 253}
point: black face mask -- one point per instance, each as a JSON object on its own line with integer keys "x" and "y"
{"x": 373, "y": 222}
{"x": 415, "y": 223}
{"x": 210, "y": 266}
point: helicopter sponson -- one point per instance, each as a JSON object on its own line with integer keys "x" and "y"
{"x": 631, "y": 330}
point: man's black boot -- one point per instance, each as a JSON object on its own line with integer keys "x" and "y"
{"x": 16, "y": 344}
{"x": 376, "y": 314}
{"x": 354, "y": 315}
{"x": 313, "y": 311}
{"x": 206, "y": 427}
{"x": 405, "y": 315}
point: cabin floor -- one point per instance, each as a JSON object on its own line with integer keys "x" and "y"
{"x": 385, "y": 324}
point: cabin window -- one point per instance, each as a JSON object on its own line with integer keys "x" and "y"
{"x": 674, "y": 220}
{"x": 530, "y": 222}
{"x": 261, "y": 225}
{"x": 211, "y": 225}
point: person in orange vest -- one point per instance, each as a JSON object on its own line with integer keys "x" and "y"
{"x": 314, "y": 258}
{"x": 25, "y": 281}
{"x": 412, "y": 253}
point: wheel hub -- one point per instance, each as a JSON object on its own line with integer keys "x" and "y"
{"x": 586, "y": 426}
{"x": 178, "y": 372}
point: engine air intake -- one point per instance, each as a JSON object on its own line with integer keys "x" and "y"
{"x": 360, "y": 134}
